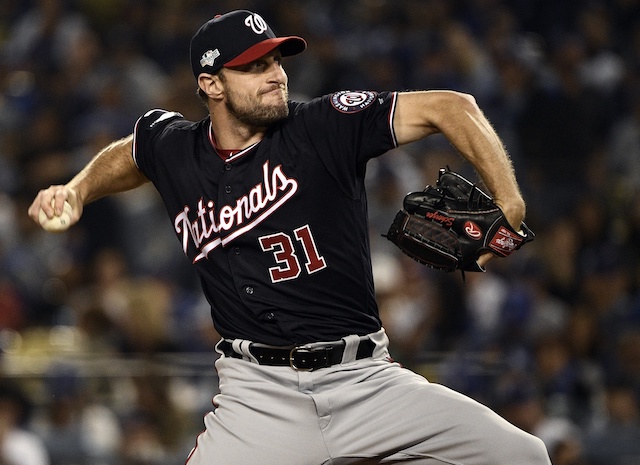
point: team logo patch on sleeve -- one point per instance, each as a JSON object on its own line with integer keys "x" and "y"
{"x": 348, "y": 101}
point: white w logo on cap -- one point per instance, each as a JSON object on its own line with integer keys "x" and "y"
{"x": 256, "y": 23}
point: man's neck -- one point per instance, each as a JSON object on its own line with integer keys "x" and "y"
{"x": 234, "y": 135}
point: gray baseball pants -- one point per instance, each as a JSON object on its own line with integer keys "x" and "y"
{"x": 370, "y": 411}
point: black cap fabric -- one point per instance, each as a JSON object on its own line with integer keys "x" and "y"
{"x": 235, "y": 39}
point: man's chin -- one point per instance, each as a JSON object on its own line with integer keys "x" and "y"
{"x": 266, "y": 117}
{"x": 277, "y": 112}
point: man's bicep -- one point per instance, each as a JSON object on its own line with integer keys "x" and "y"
{"x": 126, "y": 154}
{"x": 420, "y": 114}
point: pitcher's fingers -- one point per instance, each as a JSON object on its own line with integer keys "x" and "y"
{"x": 43, "y": 201}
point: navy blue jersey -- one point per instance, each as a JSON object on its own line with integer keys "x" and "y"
{"x": 278, "y": 231}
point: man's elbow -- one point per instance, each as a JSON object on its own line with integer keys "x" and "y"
{"x": 459, "y": 100}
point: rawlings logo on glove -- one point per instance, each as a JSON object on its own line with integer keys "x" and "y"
{"x": 449, "y": 226}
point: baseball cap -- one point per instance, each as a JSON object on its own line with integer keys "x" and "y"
{"x": 235, "y": 39}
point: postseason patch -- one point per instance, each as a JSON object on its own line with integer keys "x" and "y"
{"x": 348, "y": 101}
{"x": 504, "y": 242}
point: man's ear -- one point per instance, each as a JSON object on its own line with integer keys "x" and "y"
{"x": 212, "y": 85}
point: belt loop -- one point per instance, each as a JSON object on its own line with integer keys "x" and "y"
{"x": 242, "y": 346}
{"x": 381, "y": 341}
{"x": 350, "y": 349}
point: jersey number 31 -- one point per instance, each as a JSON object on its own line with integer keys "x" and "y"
{"x": 284, "y": 253}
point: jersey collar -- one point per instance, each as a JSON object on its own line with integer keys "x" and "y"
{"x": 225, "y": 154}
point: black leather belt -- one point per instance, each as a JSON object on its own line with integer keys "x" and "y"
{"x": 301, "y": 358}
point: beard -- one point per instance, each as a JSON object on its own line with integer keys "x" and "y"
{"x": 250, "y": 110}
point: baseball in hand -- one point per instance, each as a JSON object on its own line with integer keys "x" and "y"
{"x": 57, "y": 223}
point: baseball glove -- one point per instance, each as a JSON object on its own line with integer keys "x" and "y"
{"x": 449, "y": 226}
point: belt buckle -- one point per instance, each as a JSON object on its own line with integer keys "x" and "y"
{"x": 304, "y": 350}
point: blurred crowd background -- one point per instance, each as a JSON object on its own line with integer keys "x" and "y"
{"x": 105, "y": 340}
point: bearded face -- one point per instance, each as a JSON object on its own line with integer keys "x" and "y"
{"x": 257, "y": 108}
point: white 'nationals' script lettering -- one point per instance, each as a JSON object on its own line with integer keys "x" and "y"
{"x": 211, "y": 228}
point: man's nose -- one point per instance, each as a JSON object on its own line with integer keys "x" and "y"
{"x": 276, "y": 72}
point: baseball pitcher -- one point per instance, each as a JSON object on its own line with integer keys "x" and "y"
{"x": 266, "y": 198}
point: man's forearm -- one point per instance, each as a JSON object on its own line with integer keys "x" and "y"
{"x": 111, "y": 171}
{"x": 480, "y": 144}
